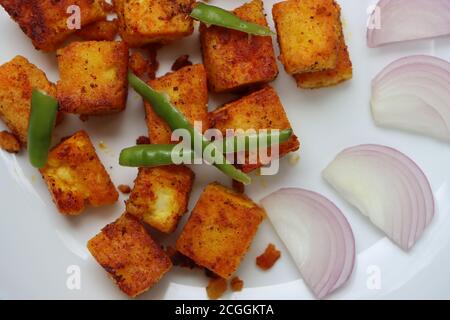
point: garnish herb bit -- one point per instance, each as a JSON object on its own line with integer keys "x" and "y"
{"x": 212, "y": 15}
{"x": 44, "y": 109}
{"x": 176, "y": 120}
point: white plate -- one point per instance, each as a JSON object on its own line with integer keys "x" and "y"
{"x": 38, "y": 245}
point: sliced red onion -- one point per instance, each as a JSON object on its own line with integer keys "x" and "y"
{"x": 386, "y": 186}
{"x": 317, "y": 235}
{"x": 413, "y": 94}
{"x": 404, "y": 20}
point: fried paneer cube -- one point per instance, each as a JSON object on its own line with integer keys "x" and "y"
{"x": 220, "y": 229}
{"x": 75, "y": 176}
{"x": 148, "y": 21}
{"x": 100, "y": 30}
{"x": 260, "y": 110}
{"x": 188, "y": 91}
{"x": 342, "y": 72}
{"x": 48, "y": 22}
{"x": 308, "y": 34}
{"x": 160, "y": 196}
{"x": 233, "y": 60}
{"x": 130, "y": 256}
{"x": 17, "y": 79}
{"x": 93, "y": 77}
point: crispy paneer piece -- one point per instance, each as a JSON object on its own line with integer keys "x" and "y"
{"x": 9, "y": 142}
{"x": 308, "y": 34}
{"x": 100, "y": 30}
{"x": 160, "y": 196}
{"x": 188, "y": 91}
{"x": 327, "y": 78}
{"x": 266, "y": 260}
{"x": 233, "y": 59}
{"x": 17, "y": 79}
{"x": 47, "y": 22}
{"x": 220, "y": 229}
{"x": 260, "y": 110}
{"x": 148, "y": 21}
{"x": 93, "y": 77}
{"x": 75, "y": 176}
{"x": 130, "y": 256}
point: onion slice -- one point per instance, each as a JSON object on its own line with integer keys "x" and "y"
{"x": 413, "y": 94}
{"x": 317, "y": 235}
{"x": 404, "y": 20}
{"x": 386, "y": 186}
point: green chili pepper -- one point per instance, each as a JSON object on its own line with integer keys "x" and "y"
{"x": 213, "y": 15}
{"x": 42, "y": 121}
{"x": 252, "y": 141}
{"x": 153, "y": 155}
{"x": 149, "y": 155}
{"x": 176, "y": 120}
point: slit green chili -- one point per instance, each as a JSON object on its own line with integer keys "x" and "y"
{"x": 42, "y": 121}
{"x": 154, "y": 155}
{"x": 150, "y": 155}
{"x": 212, "y": 15}
{"x": 176, "y": 120}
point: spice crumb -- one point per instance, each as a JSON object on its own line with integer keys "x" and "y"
{"x": 125, "y": 189}
{"x": 268, "y": 258}
{"x": 142, "y": 140}
{"x": 216, "y": 288}
{"x": 236, "y": 284}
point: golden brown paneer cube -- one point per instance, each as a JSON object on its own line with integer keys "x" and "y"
{"x": 130, "y": 256}
{"x": 17, "y": 80}
{"x": 260, "y": 110}
{"x": 93, "y": 77}
{"x": 342, "y": 72}
{"x": 308, "y": 34}
{"x": 220, "y": 229}
{"x": 233, "y": 59}
{"x": 75, "y": 176}
{"x": 100, "y": 30}
{"x": 160, "y": 196}
{"x": 148, "y": 21}
{"x": 188, "y": 91}
{"x": 48, "y": 22}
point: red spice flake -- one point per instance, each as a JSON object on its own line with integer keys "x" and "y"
{"x": 238, "y": 186}
{"x": 268, "y": 258}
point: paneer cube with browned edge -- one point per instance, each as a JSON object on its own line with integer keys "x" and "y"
{"x": 48, "y": 22}
{"x": 75, "y": 176}
{"x": 93, "y": 77}
{"x": 220, "y": 229}
{"x": 308, "y": 34}
{"x": 188, "y": 91}
{"x": 233, "y": 59}
{"x": 148, "y": 21}
{"x": 342, "y": 72}
{"x": 259, "y": 110}
{"x": 130, "y": 256}
{"x": 160, "y": 196}
{"x": 18, "y": 77}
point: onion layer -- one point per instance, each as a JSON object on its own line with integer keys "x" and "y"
{"x": 403, "y": 20}
{"x": 317, "y": 236}
{"x": 413, "y": 94}
{"x": 386, "y": 186}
